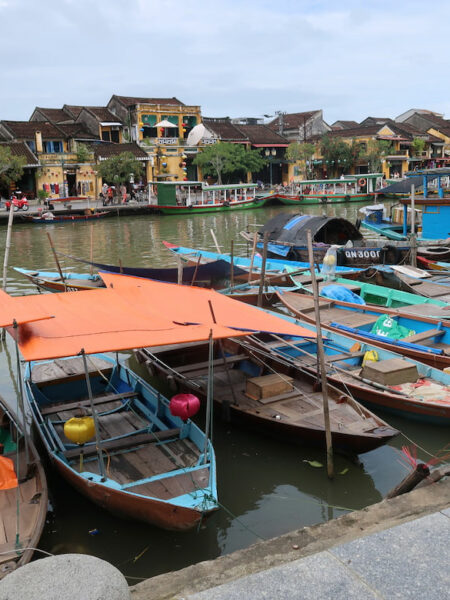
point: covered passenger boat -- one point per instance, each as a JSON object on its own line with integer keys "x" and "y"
{"x": 288, "y": 238}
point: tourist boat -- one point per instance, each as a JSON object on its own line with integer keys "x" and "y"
{"x": 288, "y": 238}
{"x": 425, "y": 397}
{"x": 211, "y": 275}
{"x": 194, "y": 197}
{"x": 269, "y": 398}
{"x": 48, "y": 220}
{"x": 350, "y": 188}
{"x": 23, "y": 494}
{"x": 422, "y": 338}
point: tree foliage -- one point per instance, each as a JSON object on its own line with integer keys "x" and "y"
{"x": 418, "y": 146}
{"x": 11, "y": 167}
{"x": 83, "y": 153}
{"x": 301, "y": 152}
{"x": 224, "y": 158}
{"x": 119, "y": 169}
{"x": 337, "y": 154}
{"x": 374, "y": 153}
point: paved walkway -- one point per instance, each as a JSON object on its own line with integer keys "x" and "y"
{"x": 407, "y": 561}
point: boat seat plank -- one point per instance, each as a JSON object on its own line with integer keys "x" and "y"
{"x": 128, "y": 442}
{"x": 69, "y": 369}
{"x": 218, "y": 361}
{"x": 54, "y": 408}
{"x": 172, "y": 487}
{"x": 423, "y": 335}
{"x": 343, "y": 356}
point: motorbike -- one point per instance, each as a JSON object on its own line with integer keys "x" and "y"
{"x": 17, "y": 204}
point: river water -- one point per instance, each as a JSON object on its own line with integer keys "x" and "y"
{"x": 265, "y": 487}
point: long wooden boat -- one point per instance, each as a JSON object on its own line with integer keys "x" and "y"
{"x": 350, "y": 188}
{"x": 212, "y": 275}
{"x": 193, "y": 197}
{"x": 152, "y": 465}
{"x": 274, "y": 400}
{"x": 427, "y": 399}
{"x": 67, "y": 218}
{"x": 424, "y": 339}
{"x": 24, "y": 503}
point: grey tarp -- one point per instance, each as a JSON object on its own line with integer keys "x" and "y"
{"x": 292, "y": 229}
{"x": 404, "y": 186}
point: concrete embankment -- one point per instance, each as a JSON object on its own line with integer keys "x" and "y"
{"x": 235, "y": 571}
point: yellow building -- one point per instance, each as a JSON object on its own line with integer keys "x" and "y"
{"x": 160, "y": 126}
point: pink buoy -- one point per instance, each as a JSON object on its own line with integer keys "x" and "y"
{"x": 184, "y": 406}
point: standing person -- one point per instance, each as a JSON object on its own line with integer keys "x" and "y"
{"x": 110, "y": 195}
{"x": 123, "y": 192}
{"x": 104, "y": 189}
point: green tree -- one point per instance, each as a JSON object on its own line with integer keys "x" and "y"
{"x": 337, "y": 154}
{"x": 303, "y": 152}
{"x": 224, "y": 158}
{"x": 119, "y": 169}
{"x": 374, "y": 153}
{"x": 83, "y": 153}
{"x": 11, "y": 167}
{"x": 418, "y": 146}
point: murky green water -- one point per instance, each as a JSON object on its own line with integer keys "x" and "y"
{"x": 266, "y": 488}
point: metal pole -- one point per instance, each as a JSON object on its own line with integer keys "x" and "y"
{"x": 323, "y": 373}
{"x": 95, "y": 417}
{"x": 413, "y": 238}
{"x": 263, "y": 268}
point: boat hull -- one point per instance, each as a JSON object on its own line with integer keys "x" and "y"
{"x": 206, "y": 208}
{"x": 311, "y": 199}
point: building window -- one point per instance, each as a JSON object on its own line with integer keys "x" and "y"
{"x": 115, "y": 136}
{"x": 106, "y": 136}
{"x": 31, "y": 145}
{"x": 52, "y": 147}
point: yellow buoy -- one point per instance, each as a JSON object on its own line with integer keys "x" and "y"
{"x": 79, "y": 429}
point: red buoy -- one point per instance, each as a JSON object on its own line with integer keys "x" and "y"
{"x": 184, "y": 406}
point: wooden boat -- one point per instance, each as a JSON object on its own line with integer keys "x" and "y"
{"x": 288, "y": 238}
{"x": 151, "y": 465}
{"x": 194, "y": 197}
{"x": 273, "y": 400}
{"x": 23, "y": 506}
{"x": 428, "y": 342}
{"x": 212, "y": 275}
{"x": 89, "y": 216}
{"x": 157, "y": 468}
{"x": 351, "y": 188}
{"x": 427, "y": 399}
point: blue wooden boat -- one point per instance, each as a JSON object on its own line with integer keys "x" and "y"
{"x": 148, "y": 464}
{"x": 422, "y": 338}
{"x": 426, "y": 400}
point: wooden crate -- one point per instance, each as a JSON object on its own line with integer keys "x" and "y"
{"x": 393, "y": 371}
{"x": 268, "y": 386}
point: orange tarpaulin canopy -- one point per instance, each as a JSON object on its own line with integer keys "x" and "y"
{"x": 133, "y": 313}
{"x": 10, "y": 311}
{"x": 8, "y": 477}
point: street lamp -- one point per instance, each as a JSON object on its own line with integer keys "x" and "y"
{"x": 270, "y": 156}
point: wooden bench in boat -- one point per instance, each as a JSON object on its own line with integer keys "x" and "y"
{"x": 54, "y": 408}
{"x": 217, "y": 362}
{"x": 70, "y": 369}
{"x": 343, "y": 356}
{"x": 125, "y": 442}
{"x": 423, "y": 335}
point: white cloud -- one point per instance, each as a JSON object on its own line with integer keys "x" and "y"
{"x": 349, "y": 58}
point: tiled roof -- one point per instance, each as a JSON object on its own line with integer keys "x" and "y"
{"x": 225, "y": 130}
{"x": 293, "y": 120}
{"x": 21, "y": 149}
{"x": 26, "y": 129}
{"x": 54, "y": 115}
{"x": 103, "y": 151}
{"x": 102, "y": 114}
{"x": 76, "y": 130}
{"x": 344, "y": 125}
{"x": 261, "y": 134}
{"x": 131, "y": 101}
{"x": 73, "y": 110}
{"x": 442, "y": 125}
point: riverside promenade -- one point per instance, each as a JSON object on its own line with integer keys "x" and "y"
{"x": 394, "y": 549}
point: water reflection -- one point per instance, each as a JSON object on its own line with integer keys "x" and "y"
{"x": 266, "y": 488}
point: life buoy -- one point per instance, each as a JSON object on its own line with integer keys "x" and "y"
{"x": 362, "y": 182}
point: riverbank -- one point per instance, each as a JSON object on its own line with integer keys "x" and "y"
{"x": 413, "y": 525}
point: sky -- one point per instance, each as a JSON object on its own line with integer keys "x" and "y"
{"x": 351, "y": 58}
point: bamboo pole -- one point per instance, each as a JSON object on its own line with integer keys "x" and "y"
{"x": 215, "y": 241}
{"x": 232, "y": 264}
{"x": 98, "y": 446}
{"x": 180, "y": 270}
{"x": 263, "y": 268}
{"x": 6, "y": 257}
{"x": 21, "y": 401}
{"x": 194, "y": 277}
{"x": 320, "y": 352}
{"x": 255, "y": 239}
{"x": 209, "y": 394}
{"x": 56, "y": 260}
{"x": 91, "y": 254}
{"x": 413, "y": 237}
